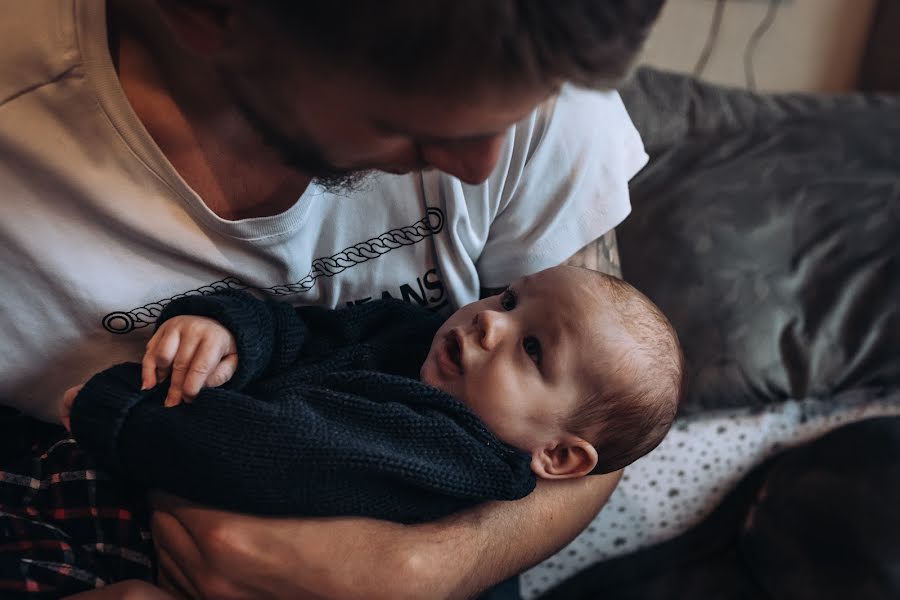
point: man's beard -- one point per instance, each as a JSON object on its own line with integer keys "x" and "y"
{"x": 306, "y": 158}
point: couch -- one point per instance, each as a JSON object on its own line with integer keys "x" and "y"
{"x": 768, "y": 228}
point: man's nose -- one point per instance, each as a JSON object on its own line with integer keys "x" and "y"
{"x": 493, "y": 327}
{"x": 469, "y": 160}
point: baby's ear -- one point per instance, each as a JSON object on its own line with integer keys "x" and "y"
{"x": 567, "y": 458}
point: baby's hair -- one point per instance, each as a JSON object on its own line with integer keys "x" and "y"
{"x": 632, "y": 409}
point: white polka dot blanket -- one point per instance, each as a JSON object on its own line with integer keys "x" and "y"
{"x": 676, "y": 486}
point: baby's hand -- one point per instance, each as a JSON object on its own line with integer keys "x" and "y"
{"x": 196, "y": 351}
{"x": 65, "y": 410}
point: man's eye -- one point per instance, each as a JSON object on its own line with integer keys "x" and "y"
{"x": 508, "y": 300}
{"x": 533, "y": 348}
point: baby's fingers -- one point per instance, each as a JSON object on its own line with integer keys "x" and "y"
{"x": 223, "y": 372}
{"x": 202, "y": 368}
{"x": 157, "y": 362}
{"x": 181, "y": 367}
{"x": 67, "y": 403}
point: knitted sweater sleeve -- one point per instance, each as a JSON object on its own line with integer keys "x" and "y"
{"x": 227, "y": 448}
{"x": 329, "y": 447}
{"x": 272, "y": 336}
{"x": 269, "y": 337}
{"x": 268, "y": 334}
{"x": 219, "y": 450}
{"x": 305, "y": 438}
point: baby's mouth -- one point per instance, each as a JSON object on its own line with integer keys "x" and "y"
{"x": 454, "y": 350}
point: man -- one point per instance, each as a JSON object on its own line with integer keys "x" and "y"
{"x": 150, "y": 149}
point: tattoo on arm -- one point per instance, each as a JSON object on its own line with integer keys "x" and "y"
{"x": 600, "y": 255}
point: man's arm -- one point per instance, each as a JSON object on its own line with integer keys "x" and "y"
{"x": 600, "y": 255}
{"x": 132, "y": 589}
{"x": 226, "y": 555}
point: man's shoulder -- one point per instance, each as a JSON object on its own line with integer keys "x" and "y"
{"x": 571, "y": 112}
{"x": 38, "y": 44}
{"x": 573, "y": 125}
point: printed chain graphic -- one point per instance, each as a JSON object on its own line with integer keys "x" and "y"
{"x": 328, "y": 266}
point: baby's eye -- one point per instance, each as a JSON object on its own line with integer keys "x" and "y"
{"x": 508, "y": 300}
{"x": 533, "y": 348}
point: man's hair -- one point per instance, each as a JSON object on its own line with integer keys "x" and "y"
{"x": 422, "y": 43}
{"x": 643, "y": 382}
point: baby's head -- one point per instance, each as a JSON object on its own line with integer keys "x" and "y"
{"x": 573, "y": 366}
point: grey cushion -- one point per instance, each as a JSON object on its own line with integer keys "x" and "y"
{"x": 768, "y": 229}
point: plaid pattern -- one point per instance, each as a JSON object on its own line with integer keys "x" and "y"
{"x": 64, "y": 526}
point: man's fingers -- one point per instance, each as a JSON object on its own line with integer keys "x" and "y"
{"x": 179, "y": 529}
{"x": 129, "y": 589}
{"x": 165, "y": 502}
{"x": 171, "y": 579}
{"x": 179, "y": 556}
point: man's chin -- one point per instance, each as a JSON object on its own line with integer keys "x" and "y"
{"x": 356, "y": 180}
{"x": 348, "y": 181}
{"x": 404, "y": 169}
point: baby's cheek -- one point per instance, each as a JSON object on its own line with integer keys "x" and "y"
{"x": 426, "y": 373}
{"x": 444, "y": 386}
{"x": 429, "y": 374}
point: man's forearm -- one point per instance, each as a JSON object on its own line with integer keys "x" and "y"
{"x": 239, "y": 556}
{"x": 600, "y": 255}
{"x": 493, "y": 542}
{"x": 124, "y": 590}
{"x": 231, "y": 556}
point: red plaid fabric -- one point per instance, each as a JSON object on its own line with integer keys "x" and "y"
{"x": 64, "y": 526}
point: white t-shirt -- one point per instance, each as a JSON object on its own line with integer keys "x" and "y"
{"x": 98, "y": 231}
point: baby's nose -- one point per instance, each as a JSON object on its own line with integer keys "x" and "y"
{"x": 493, "y": 326}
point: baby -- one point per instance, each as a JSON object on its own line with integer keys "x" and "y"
{"x": 575, "y": 367}
{"x": 575, "y": 370}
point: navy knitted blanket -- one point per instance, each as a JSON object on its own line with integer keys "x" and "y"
{"x": 325, "y": 416}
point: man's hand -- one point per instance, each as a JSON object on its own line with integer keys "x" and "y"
{"x": 210, "y": 553}
{"x": 131, "y": 589}
{"x": 197, "y": 352}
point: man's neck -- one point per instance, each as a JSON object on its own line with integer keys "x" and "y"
{"x": 181, "y": 103}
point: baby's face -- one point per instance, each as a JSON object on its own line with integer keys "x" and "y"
{"x": 523, "y": 359}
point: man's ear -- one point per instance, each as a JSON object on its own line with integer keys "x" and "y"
{"x": 201, "y": 25}
{"x": 567, "y": 458}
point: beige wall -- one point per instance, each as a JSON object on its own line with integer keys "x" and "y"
{"x": 813, "y": 45}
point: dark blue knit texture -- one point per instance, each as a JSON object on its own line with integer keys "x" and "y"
{"x": 325, "y": 417}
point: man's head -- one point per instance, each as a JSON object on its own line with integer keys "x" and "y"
{"x": 574, "y": 366}
{"x": 345, "y": 86}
